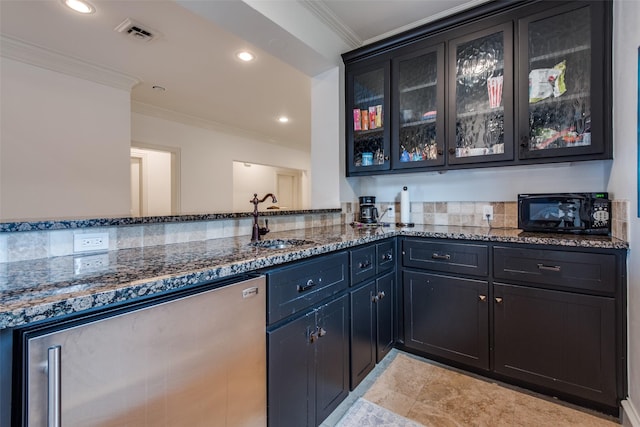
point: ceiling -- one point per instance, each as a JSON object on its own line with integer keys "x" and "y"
{"x": 193, "y": 53}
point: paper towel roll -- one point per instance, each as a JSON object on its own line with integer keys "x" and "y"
{"x": 405, "y": 206}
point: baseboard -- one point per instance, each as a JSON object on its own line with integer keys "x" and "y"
{"x": 630, "y": 416}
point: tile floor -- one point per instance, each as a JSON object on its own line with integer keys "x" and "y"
{"x": 438, "y": 396}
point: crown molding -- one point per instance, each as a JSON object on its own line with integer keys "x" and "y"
{"x": 330, "y": 19}
{"x": 42, "y": 57}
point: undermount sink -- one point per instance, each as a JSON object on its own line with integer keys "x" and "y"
{"x": 280, "y": 243}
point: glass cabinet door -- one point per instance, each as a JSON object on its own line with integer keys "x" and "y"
{"x": 418, "y": 122}
{"x": 556, "y": 100}
{"x": 481, "y": 96}
{"x": 367, "y": 126}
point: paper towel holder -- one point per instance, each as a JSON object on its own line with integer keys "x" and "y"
{"x": 404, "y": 224}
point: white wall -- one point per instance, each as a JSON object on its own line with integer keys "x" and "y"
{"x": 492, "y": 184}
{"x": 624, "y": 174}
{"x": 207, "y": 157}
{"x": 65, "y": 145}
{"x": 327, "y": 152}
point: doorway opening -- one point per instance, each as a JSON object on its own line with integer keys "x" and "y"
{"x": 155, "y": 189}
{"x": 250, "y": 178}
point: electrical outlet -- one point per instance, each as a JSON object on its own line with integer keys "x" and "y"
{"x": 88, "y": 242}
{"x": 90, "y": 264}
{"x": 487, "y": 212}
{"x": 391, "y": 214}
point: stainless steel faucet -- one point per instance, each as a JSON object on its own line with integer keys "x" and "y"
{"x": 258, "y": 231}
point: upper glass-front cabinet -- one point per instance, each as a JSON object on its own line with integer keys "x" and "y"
{"x": 367, "y": 118}
{"x": 563, "y": 91}
{"x": 418, "y": 109}
{"x": 481, "y": 96}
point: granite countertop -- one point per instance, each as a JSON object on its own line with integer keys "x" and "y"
{"x": 41, "y": 289}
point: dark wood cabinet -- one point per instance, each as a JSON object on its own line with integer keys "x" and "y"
{"x": 368, "y": 121}
{"x": 308, "y": 366}
{"x": 417, "y": 138}
{"x": 447, "y": 317}
{"x": 307, "y": 340}
{"x": 373, "y": 310}
{"x": 559, "y": 340}
{"x": 564, "y": 82}
{"x": 548, "y": 318}
{"x": 518, "y": 83}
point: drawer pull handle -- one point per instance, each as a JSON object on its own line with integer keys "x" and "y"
{"x": 548, "y": 267}
{"x": 445, "y": 257}
{"x": 498, "y": 300}
{"x": 387, "y": 257}
{"x": 483, "y": 298}
{"x": 309, "y": 285}
{"x": 365, "y": 264}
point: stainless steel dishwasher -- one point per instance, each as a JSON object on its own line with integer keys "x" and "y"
{"x": 199, "y": 360}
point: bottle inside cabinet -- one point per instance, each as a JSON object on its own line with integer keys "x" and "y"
{"x": 559, "y": 49}
{"x": 368, "y": 119}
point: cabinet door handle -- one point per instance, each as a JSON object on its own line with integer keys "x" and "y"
{"x": 54, "y": 404}
{"x": 440, "y": 152}
{"x": 381, "y": 295}
{"x": 439, "y": 256}
{"x": 321, "y": 332}
{"x": 365, "y": 264}
{"x": 483, "y": 298}
{"x": 309, "y": 285}
{"x": 524, "y": 142}
{"x": 452, "y": 151}
{"x": 498, "y": 300}
{"x": 549, "y": 267}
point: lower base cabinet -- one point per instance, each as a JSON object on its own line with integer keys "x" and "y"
{"x": 372, "y": 325}
{"x": 559, "y": 340}
{"x": 308, "y": 366}
{"x": 447, "y": 317}
{"x": 547, "y": 318}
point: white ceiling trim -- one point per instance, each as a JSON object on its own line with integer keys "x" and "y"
{"x": 326, "y": 15}
{"x": 32, "y": 54}
{"x": 468, "y": 5}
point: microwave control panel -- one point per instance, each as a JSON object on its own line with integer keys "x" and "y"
{"x": 601, "y": 213}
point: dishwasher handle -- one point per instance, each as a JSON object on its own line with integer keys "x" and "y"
{"x": 54, "y": 387}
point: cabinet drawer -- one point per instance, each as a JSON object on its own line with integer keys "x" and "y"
{"x": 293, "y": 289}
{"x": 386, "y": 256}
{"x": 363, "y": 264}
{"x": 589, "y": 271}
{"x": 464, "y": 258}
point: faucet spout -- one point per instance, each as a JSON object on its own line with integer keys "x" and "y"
{"x": 257, "y": 230}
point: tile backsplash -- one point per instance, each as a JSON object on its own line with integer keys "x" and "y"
{"x": 470, "y": 214}
{"x": 22, "y": 246}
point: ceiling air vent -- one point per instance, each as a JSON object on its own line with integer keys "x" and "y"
{"x": 136, "y": 31}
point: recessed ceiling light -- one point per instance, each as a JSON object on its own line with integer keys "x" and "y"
{"x": 80, "y": 6}
{"x": 245, "y": 56}
{"x": 283, "y": 119}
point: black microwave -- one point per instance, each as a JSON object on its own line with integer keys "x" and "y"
{"x": 580, "y": 213}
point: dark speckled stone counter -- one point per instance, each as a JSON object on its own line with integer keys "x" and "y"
{"x": 36, "y": 290}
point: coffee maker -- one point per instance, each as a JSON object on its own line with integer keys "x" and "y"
{"x": 368, "y": 210}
